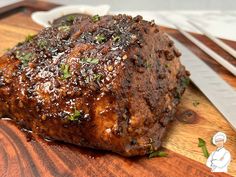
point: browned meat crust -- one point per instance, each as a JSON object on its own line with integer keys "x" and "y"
{"x": 110, "y": 82}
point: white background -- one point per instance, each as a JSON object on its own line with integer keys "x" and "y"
{"x": 160, "y": 4}
{"x": 216, "y": 16}
{"x": 153, "y": 4}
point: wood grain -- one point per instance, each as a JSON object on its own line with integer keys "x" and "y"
{"x": 36, "y": 158}
{"x": 40, "y": 158}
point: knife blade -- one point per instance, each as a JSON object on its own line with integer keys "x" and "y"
{"x": 220, "y": 93}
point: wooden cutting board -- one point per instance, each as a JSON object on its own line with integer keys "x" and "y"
{"x": 18, "y": 157}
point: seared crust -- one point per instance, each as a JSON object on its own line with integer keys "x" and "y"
{"x": 119, "y": 91}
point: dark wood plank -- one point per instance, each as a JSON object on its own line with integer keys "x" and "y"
{"x": 26, "y": 4}
{"x": 38, "y": 157}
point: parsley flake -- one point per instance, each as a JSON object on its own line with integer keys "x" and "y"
{"x": 185, "y": 81}
{"x": 158, "y": 154}
{"x": 100, "y": 38}
{"x": 70, "y": 18}
{"x": 24, "y": 57}
{"x": 75, "y": 116}
{"x": 97, "y": 77}
{"x": 29, "y": 38}
{"x": 116, "y": 38}
{"x": 202, "y": 144}
{"x": 96, "y": 18}
{"x": 196, "y": 103}
{"x": 89, "y": 60}
{"x": 64, "y": 28}
{"x": 167, "y": 65}
{"x": 7, "y": 49}
{"x": 42, "y": 43}
{"x": 147, "y": 64}
{"x": 65, "y": 71}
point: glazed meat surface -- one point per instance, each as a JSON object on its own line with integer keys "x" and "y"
{"x": 110, "y": 82}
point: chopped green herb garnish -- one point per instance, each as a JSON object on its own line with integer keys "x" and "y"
{"x": 147, "y": 65}
{"x": 158, "y": 154}
{"x": 185, "y": 81}
{"x": 75, "y": 116}
{"x": 7, "y": 49}
{"x": 42, "y": 43}
{"x": 24, "y": 57}
{"x": 19, "y": 43}
{"x": 116, "y": 38}
{"x": 196, "y": 103}
{"x": 89, "y": 60}
{"x": 64, "y": 28}
{"x": 202, "y": 144}
{"x": 100, "y": 38}
{"x": 178, "y": 92}
{"x": 29, "y": 38}
{"x": 70, "y": 18}
{"x": 96, "y": 18}
{"x": 167, "y": 65}
{"x": 65, "y": 71}
{"x": 97, "y": 77}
